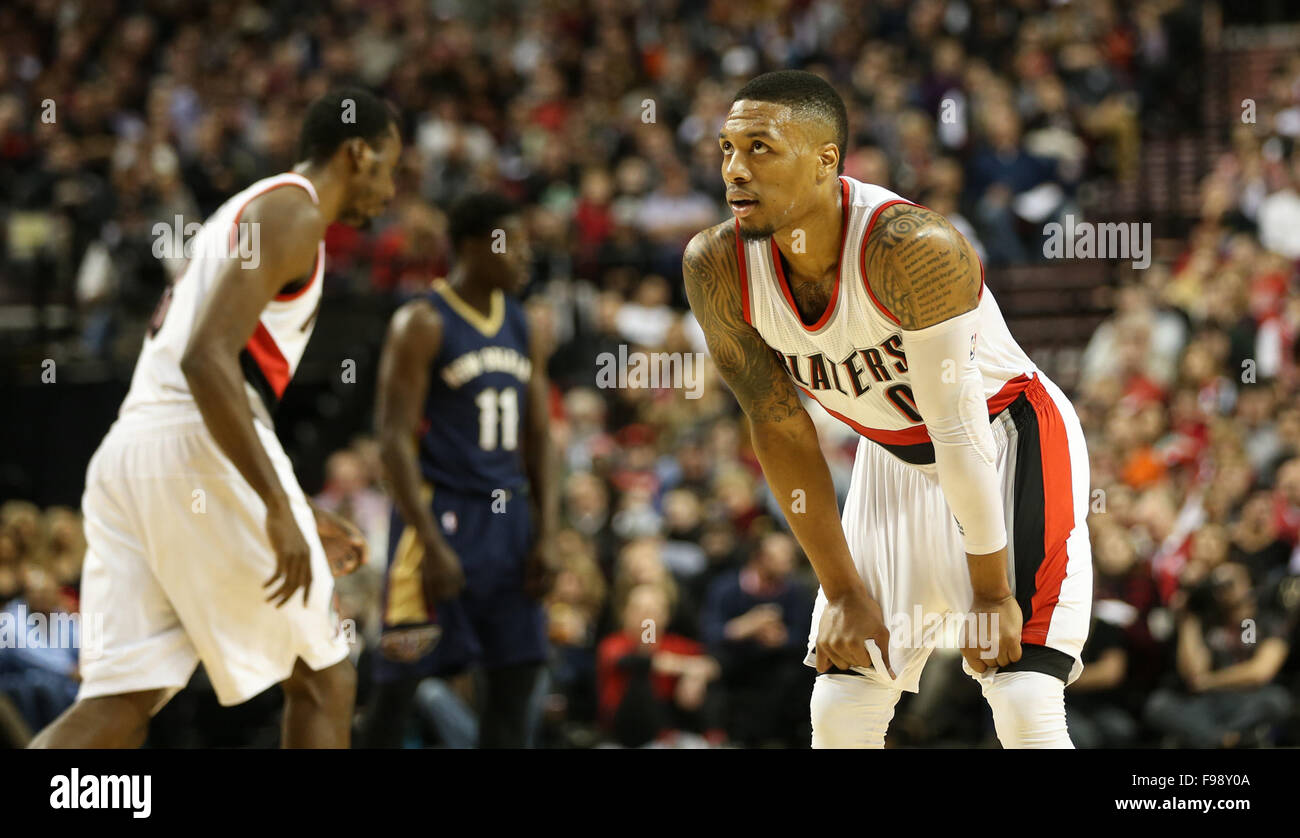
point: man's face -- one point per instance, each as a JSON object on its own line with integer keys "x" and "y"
{"x": 776, "y": 558}
{"x": 647, "y": 608}
{"x": 505, "y": 255}
{"x": 371, "y": 186}
{"x": 772, "y": 164}
{"x": 1231, "y": 584}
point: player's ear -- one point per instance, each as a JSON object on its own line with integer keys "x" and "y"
{"x": 828, "y": 161}
{"x": 359, "y": 153}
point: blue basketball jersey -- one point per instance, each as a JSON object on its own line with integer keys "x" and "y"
{"x": 472, "y": 437}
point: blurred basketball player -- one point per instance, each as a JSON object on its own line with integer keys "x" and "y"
{"x": 462, "y": 420}
{"x": 191, "y": 506}
{"x": 969, "y": 490}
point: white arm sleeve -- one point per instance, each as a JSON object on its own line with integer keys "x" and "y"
{"x": 949, "y": 393}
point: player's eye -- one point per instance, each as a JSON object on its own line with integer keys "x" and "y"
{"x": 726, "y": 146}
{"x": 758, "y": 144}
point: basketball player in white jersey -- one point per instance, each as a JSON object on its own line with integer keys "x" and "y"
{"x": 191, "y": 506}
{"x": 969, "y": 491}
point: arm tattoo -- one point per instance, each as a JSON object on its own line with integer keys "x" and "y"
{"x": 742, "y": 357}
{"x": 920, "y": 268}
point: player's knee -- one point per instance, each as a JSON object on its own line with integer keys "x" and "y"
{"x": 1029, "y": 710}
{"x": 128, "y": 711}
{"x": 850, "y": 712}
{"x": 333, "y": 686}
{"x": 139, "y": 707}
{"x": 125, "y": 718}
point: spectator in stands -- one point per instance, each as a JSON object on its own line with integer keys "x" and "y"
{"x": 1229, "y": 651}
{"x": 1286, "y": 503}
{"x": 671, "y": 214}
{"x": 1279, "y": 214}
{"x": 640, "y": 562}
{"x": 573, "y": 608}
{"x": 348, "y": 493}
{"x": 756, "y": 622}
{"x": 38, "y": 666}
{"x": 1094, "y": 703}
{"x": 411, "y": 253}
{"x": 67, "y": 549}
{"x": 1006, "y": 183}
{"x": 1257, "y": 542}
{"x": 653, "y": 683}
{"x": 11, "y": 580}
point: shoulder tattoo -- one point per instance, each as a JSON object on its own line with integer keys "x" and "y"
{"x": 920, "y": 268}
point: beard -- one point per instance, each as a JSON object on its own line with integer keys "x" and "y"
{"x": 755, "y": 233}
{"x": 356, "y": 219}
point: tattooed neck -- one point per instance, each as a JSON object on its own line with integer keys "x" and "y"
{"x": 811, "y": 296}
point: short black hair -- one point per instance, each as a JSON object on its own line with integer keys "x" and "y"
{"x": 340, "y": 115}
{"x": 809, "y": 95}
{"x": 477, "y": 214}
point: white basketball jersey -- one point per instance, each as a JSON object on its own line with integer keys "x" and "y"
{"x": 271, "y": 355}
{"x": 852, "y": 359}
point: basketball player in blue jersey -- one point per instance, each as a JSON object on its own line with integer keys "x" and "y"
{"x": 462, "y": 421}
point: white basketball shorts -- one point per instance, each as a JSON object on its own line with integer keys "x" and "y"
{"x": 177, "y": 555}
{"x": 908, "y": 550}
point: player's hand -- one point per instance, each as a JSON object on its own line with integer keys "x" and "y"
{"x": 997, "y": 633}
{"x": 847, "y": 622}
{"x": 292, "y": 555}
{"x": 345, "y": 546}
{"x": 540, "y": 568}
{"x": 441, "y": 573}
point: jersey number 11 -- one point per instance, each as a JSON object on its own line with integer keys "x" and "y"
{"x": 498, "y": 416}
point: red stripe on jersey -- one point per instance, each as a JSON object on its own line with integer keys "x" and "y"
{"x": 744, "y": 273}
{"x": 917, "y": 434}
{"x": 862, "y": 257}
{"x": 270, "y": 360}
{"x": 1058, "y": 512}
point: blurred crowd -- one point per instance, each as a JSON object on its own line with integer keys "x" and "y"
{"x": 599, "y": 117}
{"x": 1189, "y": 401}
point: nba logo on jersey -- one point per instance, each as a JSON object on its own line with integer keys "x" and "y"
{"x": 972, "y": 345}
{"x": 449, "y": 522}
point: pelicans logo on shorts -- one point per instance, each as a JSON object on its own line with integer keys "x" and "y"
{"x": 405, "y": 645}
{"x": 449, "y": 522}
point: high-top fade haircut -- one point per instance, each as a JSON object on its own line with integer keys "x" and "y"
{"x": 340, "y": 115}
{"x": 809, "y": 95}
